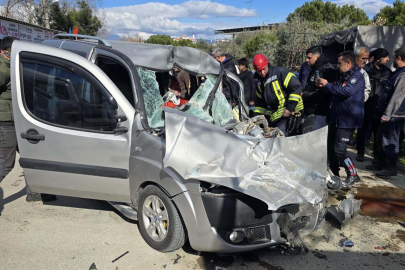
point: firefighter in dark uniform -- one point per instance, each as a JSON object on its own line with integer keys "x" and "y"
{"x": 346, "y": 113}
{"x": 278, "y": 93}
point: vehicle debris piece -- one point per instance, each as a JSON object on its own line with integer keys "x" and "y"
{"x": 320, "y": 256}
{"x": 346, "y": 243}
{"x": 119, "y": 257}
{"x": 401, "y": 223}
{"x": 177, "y": 259}
{"x": 343, "y": 210}
{"x": 290, "y": 229}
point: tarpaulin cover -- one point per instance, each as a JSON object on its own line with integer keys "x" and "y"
{"x": 341, "y": 37}
{"x": 278, "y": 171}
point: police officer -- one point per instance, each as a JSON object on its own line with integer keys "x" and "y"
{"x": 278, "y": 93}
{"x": 346, "y": 113}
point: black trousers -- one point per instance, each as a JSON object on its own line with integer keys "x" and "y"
{"x": 369, "y": 117}
{"x": 389, "y": 138}
{"x": 281, "y": 124}
{"x": 338, "y": 140}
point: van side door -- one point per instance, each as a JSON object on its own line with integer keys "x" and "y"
{"x": 73, "y": 125}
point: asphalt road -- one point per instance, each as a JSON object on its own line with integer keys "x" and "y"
{"x": 73, "y": 233}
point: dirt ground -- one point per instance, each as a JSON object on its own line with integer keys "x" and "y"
{"x": 73, "y": 233}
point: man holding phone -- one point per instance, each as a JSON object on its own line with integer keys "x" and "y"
{"x": 346, "y": 113}
{"x": 316, "y": 100}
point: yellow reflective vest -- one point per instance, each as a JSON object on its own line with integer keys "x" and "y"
{"x": 279, "y": 90}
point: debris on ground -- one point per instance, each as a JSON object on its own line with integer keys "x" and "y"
{"x": 16, "y": 183}
{"x": 320, "y": 256}
{"x": 345, "y": 242}
{"x": 401, "y": 223}
{"x": 93, "y": 266}
{"x": 164, "y": 266}
{"x": 177, "y": 259}
{"x": 119, "y": 257}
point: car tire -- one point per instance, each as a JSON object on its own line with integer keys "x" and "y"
{"x": 159, "y": 221}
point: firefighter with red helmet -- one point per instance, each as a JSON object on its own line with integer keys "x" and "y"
{"x": 278, "y": 93}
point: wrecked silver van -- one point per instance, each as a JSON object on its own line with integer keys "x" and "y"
{"x": 91, "y": 124}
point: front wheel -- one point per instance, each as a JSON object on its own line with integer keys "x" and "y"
{"x": 159, "y": 221}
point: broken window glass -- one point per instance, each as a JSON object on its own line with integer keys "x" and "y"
{"x": 221, "y": 109}
{"x": 151, "y": 97}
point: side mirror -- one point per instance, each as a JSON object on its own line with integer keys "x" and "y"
{"x": 120, "y": 130}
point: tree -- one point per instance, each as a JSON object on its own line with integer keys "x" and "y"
{"x": 184, "y": 43}
{"x": 160, "y": 39}
{"x": 319, "y": 11}
{"x": 393, "y": 16}
{"x": 18, "y": 9}
{"x": 83, "y": 17}
{"x": 204, "y": 46}
{"x": 62, "y": 17}
{"x": 256, "y": 44}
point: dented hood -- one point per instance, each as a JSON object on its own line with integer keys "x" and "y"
{"x": 278, "y": 171}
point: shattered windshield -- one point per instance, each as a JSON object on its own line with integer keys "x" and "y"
{"x": 221, "y": 109}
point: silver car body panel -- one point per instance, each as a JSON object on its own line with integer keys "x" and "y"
{"x": 60, "y": 141}
{"x": 278, "y": 171}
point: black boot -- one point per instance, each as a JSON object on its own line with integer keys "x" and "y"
{"x": 352, "y": 179}
{"x": 374, "y": 167}
{"x": 387, "y": 173}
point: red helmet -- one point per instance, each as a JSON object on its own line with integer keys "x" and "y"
{"x": 260, "y": 61}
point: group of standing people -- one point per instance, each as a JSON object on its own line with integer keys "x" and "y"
{"x": 361, "y": 94}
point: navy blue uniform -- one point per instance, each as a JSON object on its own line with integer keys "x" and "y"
{"x": 345, "y": 115}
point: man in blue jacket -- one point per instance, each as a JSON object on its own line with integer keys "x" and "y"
{"x": 346, "y": 113}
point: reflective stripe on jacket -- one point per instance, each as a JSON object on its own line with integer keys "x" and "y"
{"x": 279, "y": 90}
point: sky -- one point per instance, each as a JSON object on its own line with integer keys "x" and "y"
{"x": 201, "y": 18}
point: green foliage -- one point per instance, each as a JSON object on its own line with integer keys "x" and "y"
{"x": 167, "y": 40}
{"x": 257, "y": 43}
{"x": 394, "y": 16}
{"x": 184, "y": 43}
{"x": 62, "y": 18}
{"x": 319, "y": 11}
{"x": 284, "y": 46}
{"x": 295, "y": 37}
{"x": 58, "y": 17}
{"x": 204, "y": 46}
{"x": 160, "y": 39}
{"x": 83, "y": 17}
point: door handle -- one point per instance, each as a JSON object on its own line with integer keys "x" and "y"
{"x": 32, "y": 136}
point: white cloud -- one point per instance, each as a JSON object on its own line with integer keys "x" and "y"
{"x": 371, "y": 7}
{"x": 161, "y": 18}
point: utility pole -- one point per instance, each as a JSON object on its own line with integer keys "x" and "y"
{"x": 46, "y": 13}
